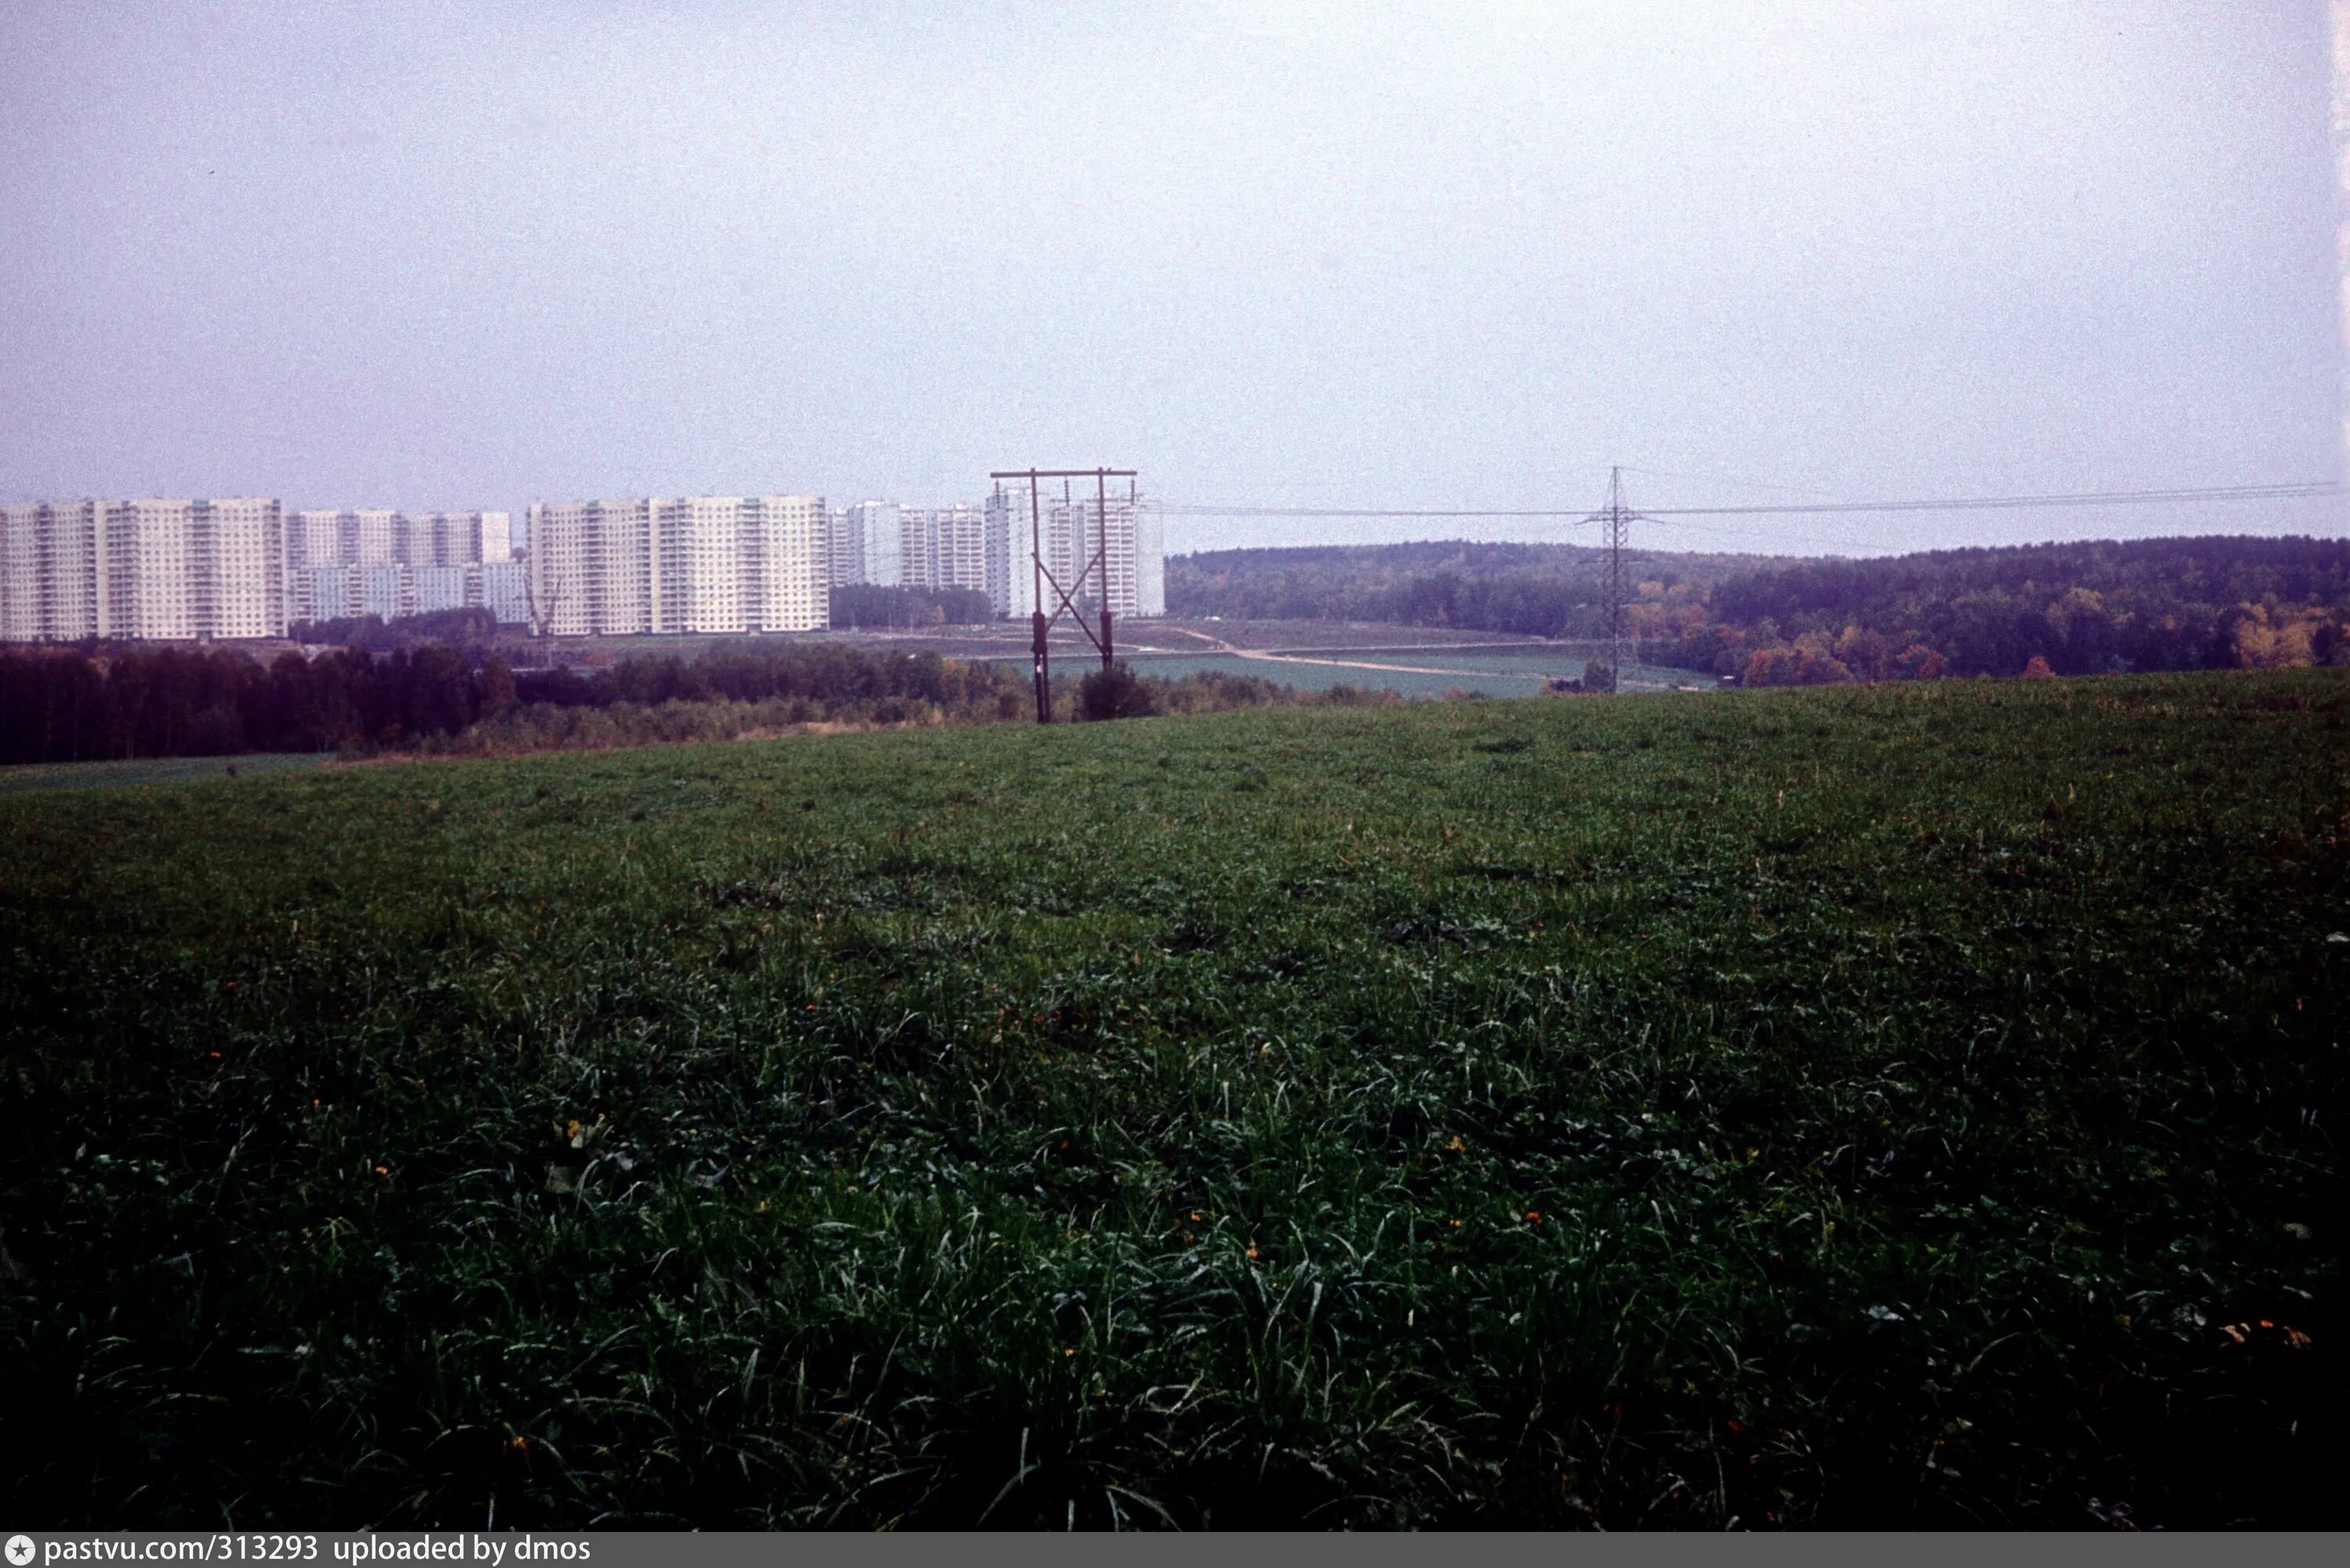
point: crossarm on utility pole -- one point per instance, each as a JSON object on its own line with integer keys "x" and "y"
{"x": 1040, "y": 622}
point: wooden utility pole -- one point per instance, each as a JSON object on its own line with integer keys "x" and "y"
{"x": 1101, "y": 554}
{"x": 1041, "y": 622}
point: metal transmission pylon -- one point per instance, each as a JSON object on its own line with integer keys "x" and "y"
{"x": 1618, "y": 520}
{"x": 1041, "y": 623}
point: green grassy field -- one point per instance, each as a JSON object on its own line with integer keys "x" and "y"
{"x": 1407, "y": 671}
{"x": 1321, "y": 677}
{"x": 152, "y": 771}
{"x": 1895, "y": 1106}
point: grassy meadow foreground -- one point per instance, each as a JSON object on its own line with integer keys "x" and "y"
{"x": 1902, "y": 1105}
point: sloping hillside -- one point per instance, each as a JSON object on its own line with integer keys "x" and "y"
{"x": 1913, "y": 1105}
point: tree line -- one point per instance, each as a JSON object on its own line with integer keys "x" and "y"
{"x": 75, "y": 705}
{"x": 2090, "y": 608}
{"x": 83, "y": 705}
{"x": 2208, "y": 602}
{"x": 1533, "y": 590}
{"x": 471, "y": 626}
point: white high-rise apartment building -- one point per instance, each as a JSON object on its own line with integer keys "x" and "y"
{"x": 314, "y": 539}
{"x": 565, "y": 552}
{"x": 458, "y": 539}
{"x": 1071, "y": 545}
{"x": 20, "y": 574}
{"x": 314, "y": 549}
{"x": 959, "y": 554}
{"x": 328, "y": 593}
{"x": 52, "y": 563}
{"x": 1010, "y": 580}
{"x": 151, "y": 587}
{"x": 702, "y": 576}
{"x": 789, "y": 546}
{"x": 370, "y": 537}
{"x": 386, "y": 593}
{"x": 1069, "y": 550}
{"x": 875, "y": 528}
{"x": 1124, "y": 560}
{"x": 697, "y": 564}
{"x": 845, "y": 549}
{"x": 447, "y": 587}
{"x": 625, "y": 587}
{"x": 240, "y": 569}
{"x": 73, "y": 597}
{"x": 918, "y": 547}
{"x": 942, "y": 547}
{"x": 506, "y": 591}
{"x": 336, "y": 561}
{"x": 193, "y": 569}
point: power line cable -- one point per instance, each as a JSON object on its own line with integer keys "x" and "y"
{"x": 2277, "y": 492}
{"x": 2014, "y": 503}
{"x": 1580, "y": 513}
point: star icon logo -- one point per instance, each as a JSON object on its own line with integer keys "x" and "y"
{"x": 20, "y": 1550}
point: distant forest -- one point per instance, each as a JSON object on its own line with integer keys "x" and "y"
{"x": 1537, "y": 590}
{"x": 2210, "y": 603}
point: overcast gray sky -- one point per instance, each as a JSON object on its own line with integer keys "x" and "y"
{"x": 460, "y": 255}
